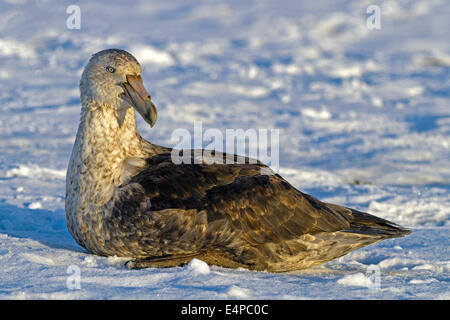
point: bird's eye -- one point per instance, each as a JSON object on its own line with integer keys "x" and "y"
{"x": 110, "y": 69}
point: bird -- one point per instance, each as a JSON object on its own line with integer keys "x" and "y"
{"x": 126, "y": 197}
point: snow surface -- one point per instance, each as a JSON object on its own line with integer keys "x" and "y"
{"x": 364, "y": 121}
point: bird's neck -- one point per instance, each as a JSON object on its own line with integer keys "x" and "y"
{"x": 98, "y": 159}
{"x": 100, "y": 162}
{"x": 102, "y": 145}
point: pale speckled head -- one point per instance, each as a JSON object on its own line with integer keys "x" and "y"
{"x": 112, "y": 77}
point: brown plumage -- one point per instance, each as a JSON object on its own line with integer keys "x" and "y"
{"x": 164, "y": 214}
{"x": 232, "y": 215}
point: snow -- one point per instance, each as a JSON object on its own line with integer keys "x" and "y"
{"x": 197, "y": 267}
{"x": 151, "y": 55}
{"x": 35, "y": 172}
{"x": 236, "y": 292}
{"x": 358, "y": 280}
{"x": 363, "y": 115}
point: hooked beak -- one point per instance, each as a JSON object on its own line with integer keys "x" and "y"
{"x": 136, "y": 95}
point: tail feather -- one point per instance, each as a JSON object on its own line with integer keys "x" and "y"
{"x": 368, "y": 224}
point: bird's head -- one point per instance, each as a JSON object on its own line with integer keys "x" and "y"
{"x": 113, "y": 78}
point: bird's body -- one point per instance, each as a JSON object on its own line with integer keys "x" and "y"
{"x": 126, "y": 197}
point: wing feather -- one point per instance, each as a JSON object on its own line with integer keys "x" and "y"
{"x": 258, "y": 208}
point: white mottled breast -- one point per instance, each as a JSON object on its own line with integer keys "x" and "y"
{"x": 104, "y": 156}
